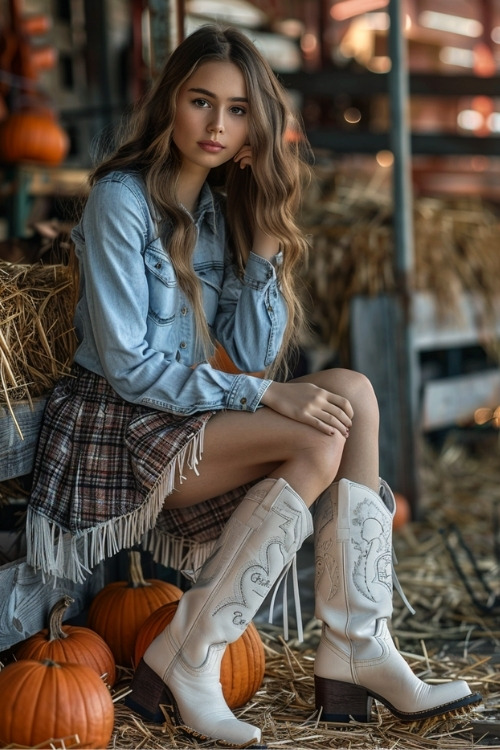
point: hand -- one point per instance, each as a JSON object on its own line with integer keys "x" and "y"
{"x": 244, "y": 157}
{"x": 307, "y": 403}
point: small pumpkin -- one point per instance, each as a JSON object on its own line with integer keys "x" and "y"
{"x": 402, "y": 514}
{"x": 69, "y": 643}
{"x": 42, "y": 701}
{"x": 121, "y": 607}
{"x": 221, "y": 360}
{"x": 243, "y": 664}
{"x": 32, "y": 135}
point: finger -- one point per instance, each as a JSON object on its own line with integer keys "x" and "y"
{"x": 334, "y": 413}
{"x": 342, "y": 404}
{"x": 330, "y": 429}
{"x": 335, "y": 424}
{"x": 244, "y": 157}
{"x": 338, "y": 419}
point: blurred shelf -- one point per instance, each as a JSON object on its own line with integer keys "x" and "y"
{"x": 331, "y": 82}
{"x": 430, "y": 144}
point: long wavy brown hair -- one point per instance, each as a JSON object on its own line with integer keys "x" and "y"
{"x": 267, "y": 195}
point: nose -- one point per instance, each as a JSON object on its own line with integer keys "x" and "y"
{"x": 216, "y": 124}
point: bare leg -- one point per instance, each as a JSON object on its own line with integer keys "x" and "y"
{"x": 300, "y": 459}
{"x": 360, "y": 457}
{"x": 241, "y": 447}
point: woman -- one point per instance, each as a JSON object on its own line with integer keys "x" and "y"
{"x": 189, "y": 237}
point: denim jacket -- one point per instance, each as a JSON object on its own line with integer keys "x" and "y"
{"x": 134, "y": 324}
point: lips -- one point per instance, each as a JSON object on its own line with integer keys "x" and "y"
{"x": 211, "y": 147}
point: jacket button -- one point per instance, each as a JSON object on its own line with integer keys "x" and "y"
{"x": 158, "y": 265}
{"x": 243, "y": 401}
{"x": 184, "y": 310}
{"x": 183, "y": 344}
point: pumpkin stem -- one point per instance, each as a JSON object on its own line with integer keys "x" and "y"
{"x": 56, "y": 617}
{"x": 50, "y": 663}
{"x": 136, "y": 578}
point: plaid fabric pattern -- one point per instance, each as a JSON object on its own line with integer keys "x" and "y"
{"x": 99, "y": 457}
{"x": 203, "y": 522}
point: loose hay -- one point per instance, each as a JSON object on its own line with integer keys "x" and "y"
{"x": 455, "y": 633}
{"x": 37, "y": 339}
{"x": 448, "y": 638}
{"x": 349, "y": 218}
{"x": 284, "y": 709}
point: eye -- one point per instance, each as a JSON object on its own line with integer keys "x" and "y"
{"x": 200, "y": 102}
{"x": 237, "y": 110}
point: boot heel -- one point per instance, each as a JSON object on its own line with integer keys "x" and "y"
{"x": 148, "y": 692}
{"x": 342, "y": 701}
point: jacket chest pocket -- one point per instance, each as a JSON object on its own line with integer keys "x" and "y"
{"x": 162, "y": 285}
{"x": 211, "y": 276}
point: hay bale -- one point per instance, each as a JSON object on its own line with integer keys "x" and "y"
{"x": 350, "y": 224}
{"x": 37, "y": 339}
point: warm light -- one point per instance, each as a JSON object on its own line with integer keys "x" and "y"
{"x": 351, "y": 8}
{"x": 308, "y": 43}
{"x": 377, "y": 21}
{"x": 290, "y": 27}
{"x": 469, "y": 119}
{"x": 381, "y": 64}
{"x": 237, "y": 13}
{"x": 431, "y": 19}
{"x": 385, "y": 158}
{"x": 484, "y": 61}
{"x": 352, "y": 115}
{"x": 494, "y": 122}
{"x": 483, "y": 415}
{"x": 463, "y": 58}
{"x": 495, "y": 35}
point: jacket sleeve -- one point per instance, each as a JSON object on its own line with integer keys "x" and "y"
{"x": 252, "y": 314}
{"x": 112, "y": 316}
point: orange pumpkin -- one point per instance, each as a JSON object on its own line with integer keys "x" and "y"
{"x": 403, "y": 511}
{"x": 222, "y": 361}
{"x": 69, "y": 643}
{"x": 243, "y": 663}
{"x": 42, "y": 701}
{"x": 32, "y": 135}
{"x": 120, "y": 608}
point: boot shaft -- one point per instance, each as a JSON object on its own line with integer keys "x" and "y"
{"x": 259, "y": 541}
{"x": 353, "y": 553}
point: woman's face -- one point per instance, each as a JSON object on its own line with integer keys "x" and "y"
{"x": 211, "y": 123}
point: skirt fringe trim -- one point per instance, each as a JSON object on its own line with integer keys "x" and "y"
{"x": 62, "y": 554}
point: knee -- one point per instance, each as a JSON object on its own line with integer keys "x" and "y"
{"x": 322, "y": 455}
{"x": 357, "y": 389}
{"x": 362, "y": 394}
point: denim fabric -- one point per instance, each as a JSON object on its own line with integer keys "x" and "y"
{"x": 17, "y": 451}
{"x": 134, "y": 324}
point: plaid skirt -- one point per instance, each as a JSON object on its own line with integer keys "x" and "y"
{"x": 103, "y": 469}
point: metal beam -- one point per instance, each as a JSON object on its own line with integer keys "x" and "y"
{"x": 405, "y": 431}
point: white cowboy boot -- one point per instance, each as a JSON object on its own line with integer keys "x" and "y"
{"x": 181, "y": 667}
{"x": 356, "y": 659}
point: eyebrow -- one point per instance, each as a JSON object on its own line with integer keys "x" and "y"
{"x": 213, "y": 96}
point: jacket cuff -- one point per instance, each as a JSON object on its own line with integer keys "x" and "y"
{"x": 246, "y": 392}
